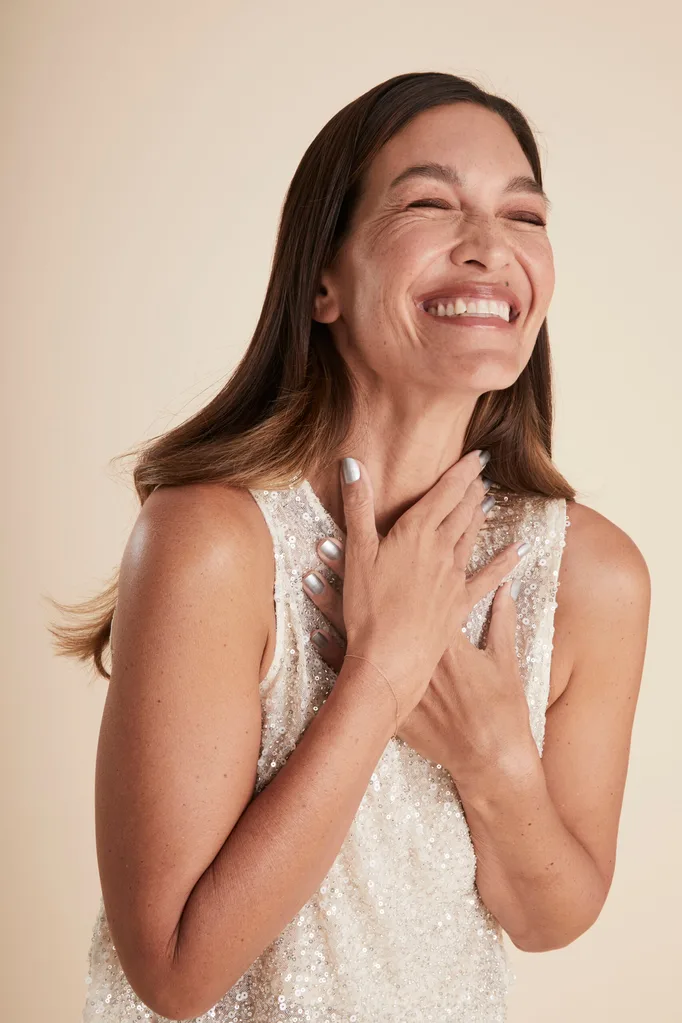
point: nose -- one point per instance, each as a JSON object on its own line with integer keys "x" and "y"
{"x": 481, "y": 240}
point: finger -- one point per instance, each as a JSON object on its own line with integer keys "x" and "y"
{"x": 358, "y": 506}
{"x": 465, "y": 545}
{"x": 327, "y": 599}
{"x": 441, "y": 507}
{"x": 332, "y": 552}
{"x": 460, "y": 518}
{"x": 329, "y": 649}
{"x": 501, "y": 638}
{"x": 489, "y": 577}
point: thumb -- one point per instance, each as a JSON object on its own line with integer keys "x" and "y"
{"x": 358, "y": 504}
{"x": 502, "y": 629}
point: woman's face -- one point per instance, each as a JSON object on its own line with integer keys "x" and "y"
{"x": 425, "y": 236}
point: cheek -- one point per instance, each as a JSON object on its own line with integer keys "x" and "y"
{"x": 402, "y": 241}
{"x": 541, "y": 258}
{"x": 537, "y": 259}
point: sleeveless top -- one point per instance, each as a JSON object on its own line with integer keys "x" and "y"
{"x": 396, "y": 931}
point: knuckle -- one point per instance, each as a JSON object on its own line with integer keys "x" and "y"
{"x": 458, "y": 486}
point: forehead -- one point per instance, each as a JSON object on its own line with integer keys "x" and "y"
{"x": 477, "y": 142}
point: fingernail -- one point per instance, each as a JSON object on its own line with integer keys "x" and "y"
{"x": 319, "y": 639}
{"x": 487, "y": 503}
{"x": 515, "y": 588}
{"x": 313, "y": 582}
{"x": 487, "y": 484}
{"x": 331, "y": 549}
{"x": 485, "y": 458}
{"x": 523, "y": 549}
{"x": 350, "y": 469}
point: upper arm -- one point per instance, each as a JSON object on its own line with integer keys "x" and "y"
{"x": 181, "y": 728}
{"x": 602, "y": 616}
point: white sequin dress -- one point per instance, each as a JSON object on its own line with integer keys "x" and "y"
{"x": 396, "y": 932}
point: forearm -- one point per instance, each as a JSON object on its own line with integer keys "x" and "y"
{"x": 532, "y": 874}
{"x": 284, "y": 843}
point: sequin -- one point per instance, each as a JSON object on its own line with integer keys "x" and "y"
{"x": 396, "y": 932}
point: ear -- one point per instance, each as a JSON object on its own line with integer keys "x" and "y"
{"x": 325, "y": 306}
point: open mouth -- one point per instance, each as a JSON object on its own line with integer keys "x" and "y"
{"x": 470, "y": 312}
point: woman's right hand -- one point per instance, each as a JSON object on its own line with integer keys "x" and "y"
{"x": 404, "y": 595}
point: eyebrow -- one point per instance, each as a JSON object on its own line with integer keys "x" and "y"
{"x": 443, "y": 172}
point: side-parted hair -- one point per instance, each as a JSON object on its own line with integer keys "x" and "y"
{"x": 289, "y": 401}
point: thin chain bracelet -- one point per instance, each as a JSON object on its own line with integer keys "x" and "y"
{"x": 360, "y": 658}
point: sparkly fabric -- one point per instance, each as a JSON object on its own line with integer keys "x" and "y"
{"x": 396, "y": 932}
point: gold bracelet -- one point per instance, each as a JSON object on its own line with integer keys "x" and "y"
{"x": 360, "y": 658}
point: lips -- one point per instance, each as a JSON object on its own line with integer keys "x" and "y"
{"x": 472, "y": 289}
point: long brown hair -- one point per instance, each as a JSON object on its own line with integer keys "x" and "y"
{"x": 289, "y": 401}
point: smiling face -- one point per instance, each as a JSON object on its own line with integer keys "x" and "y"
{"x": 476, "y": 229}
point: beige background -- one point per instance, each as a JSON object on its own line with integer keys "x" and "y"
{"x": 146, "y": 150}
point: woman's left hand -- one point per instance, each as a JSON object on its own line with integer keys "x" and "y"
{"x": 473, "y": 715}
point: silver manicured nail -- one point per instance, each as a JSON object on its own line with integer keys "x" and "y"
{"x": 487, "y": 484}
{"x": 523, "y": 549}
{"x": 487, "y": 503}
{"x": 319, "y": 639}
{"x": 350, "y": 469}
{"x": 331, "y": 549}
{"x": 515, "y": 588}
{"x": 313, "y": 582}
{"x": 485, "y": 458}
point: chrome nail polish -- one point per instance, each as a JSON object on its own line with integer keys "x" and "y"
{"x": 313, "y": 582}
{"x": 331, "y": 549}
{"x": 350, "y": 469}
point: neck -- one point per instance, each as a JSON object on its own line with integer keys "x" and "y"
{"x": 405, "y": 449}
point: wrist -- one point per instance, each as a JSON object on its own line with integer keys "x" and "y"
{"x": 497, "y": 779}
{"x": 371, "y": 686}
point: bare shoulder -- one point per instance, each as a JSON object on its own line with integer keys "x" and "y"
{"x": 600, "y": 554}
{"x": 223, "y": 512}
{"x": 603, "y": 578}
{"x": 198, "y": 536}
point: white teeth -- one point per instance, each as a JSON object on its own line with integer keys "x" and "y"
{"x": 470, "y": 307}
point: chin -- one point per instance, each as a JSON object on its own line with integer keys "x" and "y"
{"x": 483, "y": 374}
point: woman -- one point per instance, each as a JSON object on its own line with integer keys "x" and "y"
{"x": 348, "y": 838}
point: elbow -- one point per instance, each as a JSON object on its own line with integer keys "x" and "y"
{"x": 168, "y": 1001}
{"x": 169, "y": 979}
{"x": 173, "y": 993}
{"x": 160, "y": 997}
{"x": 165, "y": 1002}
{"x": 539, "y": 942}
{"x": 563, "y": 934}
{"x": 159, "y": 985}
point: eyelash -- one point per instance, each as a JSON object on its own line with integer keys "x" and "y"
{"x": 437, "y": 203}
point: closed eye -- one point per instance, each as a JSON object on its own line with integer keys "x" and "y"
{"x": 530, "y": 218}
{"x": 431, "y": 202}
{"x": 524, "y": 217}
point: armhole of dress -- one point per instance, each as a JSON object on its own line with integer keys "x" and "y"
{"x": 558, "y": 521}
{"x": 560, "y": 524}
{"x": 280, "y": 624}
